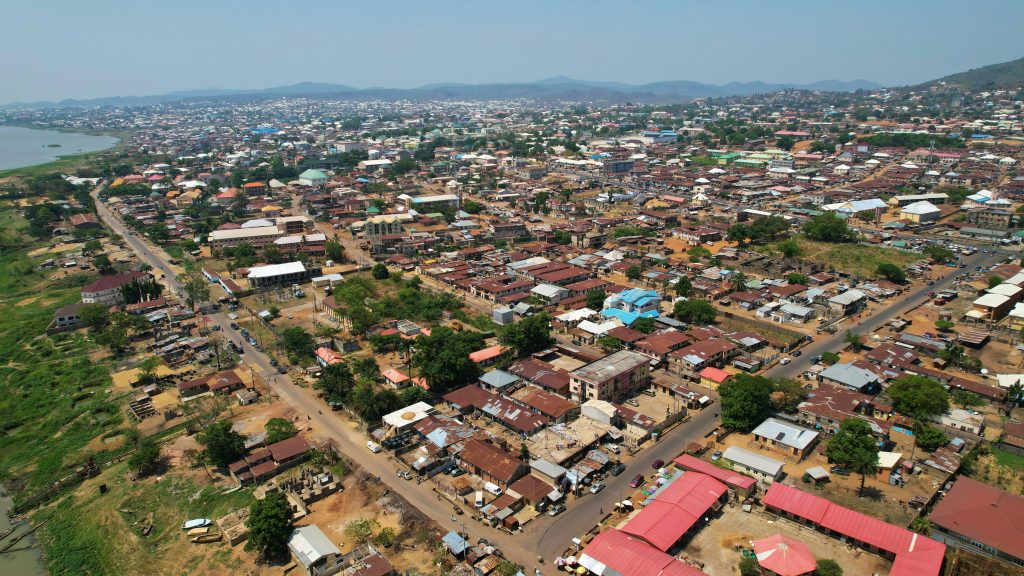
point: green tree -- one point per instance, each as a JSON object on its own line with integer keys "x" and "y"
{"x": 361, "y": 529}
{"x": 270, "y": 526}
{"x": 929, "y": 438}
{"x": 562, "y": 237}
{"x": 95, "y": 316}
{"x": 443, "y": 358}
{"x": 380, "y": 271}
{"x": 197, "y": 289}
{"x": 297, "y": 341}
{"x": 829, "y": 358}
{"x": 335, "y": 251}
{"x": 749, "y": 566}
{"x": 994, "y": 281}
{"x": 279, "y": 429}
{"x": 595, "y": 299}
{"x": 336, "y": 381}
{"x": 938, "y": 253}
{"x": 738, "y": 233}
{"x": 854, "y": 447}
{"x": 113, "y": 337}
{"x": 699, "y": 312}
{"x": 634, "y": 272}
{"x": 146, "y": 458}
{"x": 684, "y": 287}
{"x": 790, "y": 248}
{"x": 786, "y": 394}
{"x": 386, "y": 538}
{"x": 944, "y": 325}
{"x": 529, "y": 335}
{"x": 828, "y": 567}
{"x": 645, "y": 325}
{"x": 856, "y": 341}
{"x": 919, "y": 397}
{"x": 966, "y": 399}
{"x": 891, "y": 272}
{"x": 697, "y": 253}
{"x": 921, "y": 525}
{"x": 828, "y": 227}
{"x": 609, "y": 344}
{"x": 746, "y": 401}
{"x": 221, "y": 445}
{"x": 797, "y": 278}
{"x": 738, "y": 281}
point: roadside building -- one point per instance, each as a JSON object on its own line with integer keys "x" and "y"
{"x": 613, "y": 377}
{"x": 981, "y": 519}
{"x": 275, "y": 275}
{"x": 786, "y": 437}
{"x": 763, "y": 468}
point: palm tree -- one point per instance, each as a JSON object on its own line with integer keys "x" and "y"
{"x": 738, "y": 281}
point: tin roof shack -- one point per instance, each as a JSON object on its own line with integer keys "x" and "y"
{"x": 491, "y": 463}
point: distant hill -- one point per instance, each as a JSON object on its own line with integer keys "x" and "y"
{"x": 556, "y": 88}
{"x": 993, "y": 77}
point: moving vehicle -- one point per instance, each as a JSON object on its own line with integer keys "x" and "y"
{"x": 797, "y": 352}
{"x": 617, "y": 469}
{"x": 404, "y": 474}
{"x": 596, "y": 487}
{"x": 657, "y": 463}
{"x": 282, "y": 370}
{"x": 636, "y": 481}
{"x": 785, "y": 361}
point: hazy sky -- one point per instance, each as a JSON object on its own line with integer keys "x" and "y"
{"x": 50, "y": 50}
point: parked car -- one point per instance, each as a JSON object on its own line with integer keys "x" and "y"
{"x": 456, "y": 472}
{"x": 596, "y": 487}
{"x": 234, "y": 326}
{"x": 840, "y": 471}
{"x": 373, "y": 446}
{"x": 613, "y": 448}
{"x": 657, "y": 463}
{"x": 282, "y": 370}
{"x": 405, "y": 474}
{"x": 797, "y": 352}
{"x": 636, "y": 481}
{"x": 273, "y": 362}
{"x": 556, "y": 510}
{"x": 617, "y": 469}
{"x": 784, "y": 361}
{"x": 716, "y": 456}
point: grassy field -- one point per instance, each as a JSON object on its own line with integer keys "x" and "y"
{"x": 53, "y": 398}
{"x": 92, "y": 533}
{"x": 775, "y": 334}
{"x": 856, "y": 259}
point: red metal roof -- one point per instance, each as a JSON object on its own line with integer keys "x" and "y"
{"x": 983, "y": 513}
{"x": 675, "y": 510}
{"x": 916, "y": 555}
{"x": 796, "y": 502}
{"x": 627, "y": 555}
{"x": 727, "y": 477}
{"x": 784, "y": 556}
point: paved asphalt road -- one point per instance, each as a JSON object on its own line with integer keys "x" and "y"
{"x": 913, "y": 298}
{"x": 544, "y": 536}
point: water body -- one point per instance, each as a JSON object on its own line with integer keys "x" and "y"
{"x": 23, "y": 562}
{"x": 20, "y": 147}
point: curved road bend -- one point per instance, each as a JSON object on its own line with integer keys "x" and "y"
{"x": 899, "y": 306}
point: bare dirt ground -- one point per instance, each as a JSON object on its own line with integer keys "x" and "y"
{"x": 719, "y": 543}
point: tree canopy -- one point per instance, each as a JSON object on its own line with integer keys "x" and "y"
{"x": 699, "y": 312}
{"x": 297, "y": 341}
{"x": 279, "y": 429}
{"x": 854, "y": 447}
{"x": 529, "y": 335}
{"x": 746, "y": 401}
{"x": 828, "y": 227}
{"x": 443, "y": 358}
{"x": 891, "y": 272}
{"x": 919, "y": 397}
{"x": 270, "y": 526}
{"x": 221, "y": 444}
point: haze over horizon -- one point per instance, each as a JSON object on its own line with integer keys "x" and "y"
{"x": 114, "y": 48}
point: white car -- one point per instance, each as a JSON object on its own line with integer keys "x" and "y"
{"x": 784, "y": 361}
{"x": 596, "y": 487}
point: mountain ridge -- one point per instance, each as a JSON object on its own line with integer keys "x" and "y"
{"x": 552, "y": 88}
